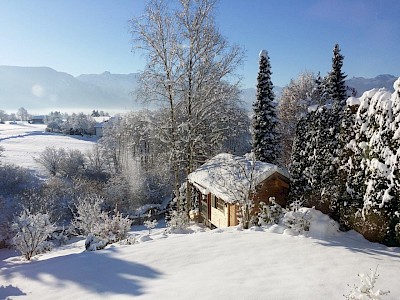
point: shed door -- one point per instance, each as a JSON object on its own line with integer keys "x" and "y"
{"x": 232, "y": 215}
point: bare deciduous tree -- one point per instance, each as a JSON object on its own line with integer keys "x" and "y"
{"x": 188, "y": 66}
{"x": 295, "y": 99}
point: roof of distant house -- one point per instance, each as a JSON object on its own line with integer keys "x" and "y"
{"x": 102, "y": 119}
{"x": 37, "y": 117}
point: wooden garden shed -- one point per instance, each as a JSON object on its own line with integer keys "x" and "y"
{"x": 225, "y": 180}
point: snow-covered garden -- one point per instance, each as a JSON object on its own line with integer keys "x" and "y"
{"x": 270, "y": 262}
{"x": 68, "y": 202}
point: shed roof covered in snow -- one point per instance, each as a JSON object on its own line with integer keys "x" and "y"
{"x": 227, "y": 176}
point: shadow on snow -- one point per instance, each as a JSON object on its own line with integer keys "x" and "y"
{"x": 99, "y": 272}
{"x": 9, "y": 290}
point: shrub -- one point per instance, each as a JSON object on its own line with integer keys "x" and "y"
{"x": 31, "y": 232}
{"x": 178, "y": 221}
{"x": 115, "y": 228}
{"x": 270, "y": 214}
{"x": 88, "y": 214}
{"x": 150, "y": 224}
{"x": 52, "y": 159}
{"x": 14, "y": 180}
{"x": 366, "y": 289}
{"x": 97, "y": 225}
{"x": 297, "y": 220}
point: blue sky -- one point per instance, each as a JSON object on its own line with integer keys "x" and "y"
{"x": 91, "y": 36}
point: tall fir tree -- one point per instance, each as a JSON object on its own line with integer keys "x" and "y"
{"x": 298, "y": 180}
{"x": 265, "y": 122}
{"x": 350, "y": 172}
{"x": 330, "y": 152}
{"x": 320, "y": 160}
{"x": 336, "y": 84}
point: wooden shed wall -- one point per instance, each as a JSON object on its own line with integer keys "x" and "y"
{"x": 274, "y": 186}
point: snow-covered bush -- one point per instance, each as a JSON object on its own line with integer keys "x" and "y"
{"x": 270, "y": 214}
{"x": 31, "y": 232}
{"x": 51, "y": 159}
{"x": 366, "y": 289}
{"x": 100, "y": 228}
{"x": 93, "y": 243}
{"x": 62, "y": 235}
{"x": 14, "y": 180}
{"x": 115, "y": 228}
{"x": 297, "y": 219}
{"x": 73, "y": 164}
{"x": 178, "y": 221}
{"x": 88, "y": 214}
{"x": 4, "y": 220}
{"x": 129, "y": 240}
{"x": 150, "y": 224}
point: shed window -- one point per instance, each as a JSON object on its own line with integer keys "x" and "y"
{"x": 213, "y": 201}
{"x": 220, "y": 204}
{"x": 217, "y": 203}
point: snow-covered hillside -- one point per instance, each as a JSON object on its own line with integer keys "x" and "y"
{"x": 23, "y": 142}
{"x": 267, "y": 263}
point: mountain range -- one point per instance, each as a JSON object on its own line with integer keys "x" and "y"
{"x": 42, "y": 89}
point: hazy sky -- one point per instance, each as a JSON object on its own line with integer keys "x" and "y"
{"x": 91, "y": 36}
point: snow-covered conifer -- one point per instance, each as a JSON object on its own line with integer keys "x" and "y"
{"x": 335, "y": 82}
{"x": 265, "y": 122}
{"x": 298, "y": 163}
{"x": 349, "y": 167}
{"x": 326, "y": 149}
{"x": 369, "y": 162}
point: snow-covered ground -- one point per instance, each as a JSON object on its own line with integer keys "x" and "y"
{"x": 267, "y": 263}
{"x": 22, "y": 142}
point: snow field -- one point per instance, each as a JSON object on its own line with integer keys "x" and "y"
{"x": 22, "y": 142}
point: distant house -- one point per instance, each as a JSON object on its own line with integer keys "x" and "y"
{"x": 36, "y": 120}
{"x": 224, "y": 180}
{"x": 99, "y": 126}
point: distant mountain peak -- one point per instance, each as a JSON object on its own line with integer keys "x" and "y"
{"x": 362, "y": 84}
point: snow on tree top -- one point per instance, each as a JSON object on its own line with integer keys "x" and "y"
{"x": 396, "y": 85}
{"x": 312, "y": 108}
{"x": 227, "y": 176}
{"x": 263, "y": 53}
{"x": 351, "y": 101}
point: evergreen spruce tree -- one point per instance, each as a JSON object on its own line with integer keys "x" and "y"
{"x": 335, "y": 82}
{"x": 350, "y": 173}
{"x": 321, "y": 89}
{"x": 298, "y": 163}
{"x": 330, "y": 129}
{"x": 265, "y": 122}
